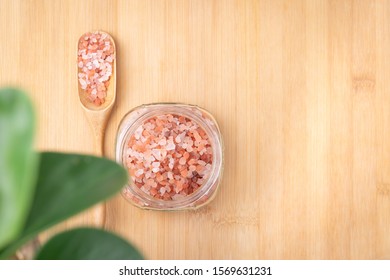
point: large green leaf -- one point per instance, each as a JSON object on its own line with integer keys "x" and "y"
{"x": 68, "y": 184}
{"x": 88, "y": 244}
{"x": 18, "y": 162}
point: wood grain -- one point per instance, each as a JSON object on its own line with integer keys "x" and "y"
{"x": 300, "y": 89}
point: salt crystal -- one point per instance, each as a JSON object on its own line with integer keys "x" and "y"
{"x": 163, "y": 153}
{"x": 182, "y": 127}
{"x": 182, "y": 161}
{"x": 189, "y": 149}
{"x": 201, "y": 181}
{"x": 170, "y": 146}
{"x": 96, "y": 63}
{"x": 139, "y": 172}
{"x": 192, "y": 168}
{"x": 138, "y": 133}
{"x": 157, "y": 153}
{"x": 162, "y": 142}
{"x": 83, "y": 84}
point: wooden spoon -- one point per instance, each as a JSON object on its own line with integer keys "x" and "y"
{"x": 98, "y": 116}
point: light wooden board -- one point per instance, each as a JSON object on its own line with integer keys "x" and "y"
{"x": 301, "y": 90}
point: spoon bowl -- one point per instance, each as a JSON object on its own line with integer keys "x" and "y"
{"x": 98, "y": 115}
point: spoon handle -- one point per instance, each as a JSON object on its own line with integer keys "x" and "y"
{"x": 99, "y": 142}
{"x": 98, "y": 121}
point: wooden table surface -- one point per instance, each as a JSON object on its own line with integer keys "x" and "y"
{"x": 299, "y": 88}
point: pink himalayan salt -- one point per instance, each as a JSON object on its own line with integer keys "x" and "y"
{"x": 95, "y": 59}
{"x": 169, "y": 157}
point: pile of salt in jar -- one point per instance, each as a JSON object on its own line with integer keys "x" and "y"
{"x": 169, "y": 156}
{"x": 173, "y": 153}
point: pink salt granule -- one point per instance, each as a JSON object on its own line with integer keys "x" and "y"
{"x": 95, "y": 58}
{"x": 169, "y": 157}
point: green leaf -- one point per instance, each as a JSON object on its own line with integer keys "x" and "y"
{"x": 88, "y": 244}
{"x": 68, "y": 184}
{"x": 18, "y": 162}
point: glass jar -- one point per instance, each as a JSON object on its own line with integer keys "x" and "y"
{"x": 140, "y": 191}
